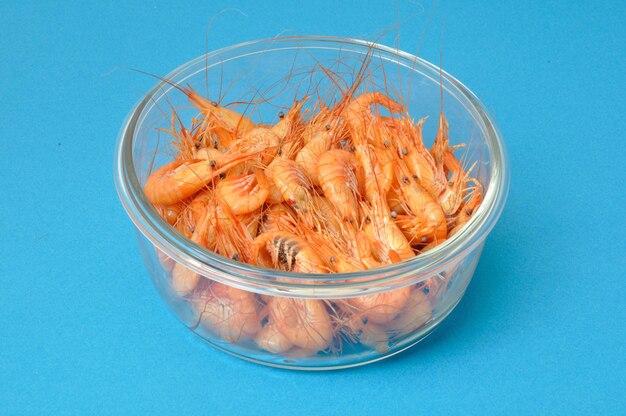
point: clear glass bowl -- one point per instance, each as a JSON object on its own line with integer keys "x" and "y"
{"x": 229, "y": 306}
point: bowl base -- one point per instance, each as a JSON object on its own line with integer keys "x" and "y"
{"x": 291, "y": 364}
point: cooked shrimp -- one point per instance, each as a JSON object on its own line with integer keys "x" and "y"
{"x": 394, "y": 201}
{"x": 450, "y": 189}
{"x": 360, "y": 328}
{"x": 381, "y": 308}
{"x": 425, "y": 221}
{"x": 244, "y": 193}
{"x": 227, "y": 124}
{"x": 378, "y": 170}
{"x": 469, "y": 206}
{"x": 309, "y": 155}
{"x": 339, "y": 173}
{"x": 293, "y": 184}
{"x": 326, "y": 216}
{"x": 380, "y": 227}
{"x": 416, "y": 156}
{"x": 272, "y": 340}
{"x": 304, "y": 322}
{"x": 415, "y": 314}
{"x": 359, "y": 112}
{"x": 279, "y": 217}
{"x": 260, "y": 141}
{"x": 289, "y": 122}
{"x": 285, "y": 251}
{"x": 170, "y": 213}
{"x": 184, "y": 280}
{"x": 229, "y": 312}
{"x": 181, "y": 179}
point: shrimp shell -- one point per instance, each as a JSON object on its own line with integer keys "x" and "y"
{"x": 293, "y": 184}
{"x": 244, "y": 193}
{"x": 286, "y": 251}
{"x": 229, "y": 312}
{"x": 304, "y": 322}
{"x": 339, "y": 173}
{"x": 381, "y": 308}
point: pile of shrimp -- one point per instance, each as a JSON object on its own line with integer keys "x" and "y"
{"x": 327, "y": 189}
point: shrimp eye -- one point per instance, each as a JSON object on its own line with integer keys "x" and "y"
{"x": 222, "y": 175}
{"x": 214, "y": 103}
{"x": 386, "y": 143}
{"x": 424, "y": 239}
{"x": 235, "y": 257}
{"x": 281, "y": 114}
{"x": 469, "y": 211}
{"x": 405, "y": 151}
{"x": 328, "y": 127}
{"x": 414, "y": 176}
{"x": 405, "y": 180}
{"x": 332, "y": 259}
{"x": 212, "y": 163}
{"x": 394, "y": 214}
{"x": 198, "y": 144}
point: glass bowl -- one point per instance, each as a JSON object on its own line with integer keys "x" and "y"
{"x": 228, "y": 305}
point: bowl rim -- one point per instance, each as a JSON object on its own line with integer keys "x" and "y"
{"x": 260, "y": 279}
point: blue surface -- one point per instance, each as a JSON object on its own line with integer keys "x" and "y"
{"x": 541, "y": 329}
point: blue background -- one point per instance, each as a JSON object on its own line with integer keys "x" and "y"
{"x": 541, "y": 328}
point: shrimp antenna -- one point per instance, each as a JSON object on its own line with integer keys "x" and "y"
{"x": 162, "y": 79}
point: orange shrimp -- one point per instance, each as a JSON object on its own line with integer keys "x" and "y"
{"x": 270, "y": 339}
{"x": 325, "y": 216}
{"x": 285, "y": 251}
{"x": 289, "y": 122}
{"x": 233, "y": 239}
{"x": 274, "y": 196}
{"x": 293, "y": 184}
{"x": 360, "y": 328}
{"x": 394, "y": 201}
{"x": 359, "y": 110}
{"x": 170, "y": 213}
{"x": 340, "y": 175}
{"x": 337, "y": 251}
{"x": 260, "y": 141}
{"x": 378, "y": 170}
{"x": 228, "y": 124}
{"x": 381, "y": 308}
{"x": 469, "y": 206}
{"x": 450, "y": 195}
{"x": 181, "y": 179}
{"x": 184, "y": 280}
{"x": 309, "y": 155}
{"x": 416, "y": 313}
{"x": 229, "y": 312}
{"x": 380, "y": 227}
{"x": 411, "y": 150}
{"x": 359, "y": 114}
{"x": 304, "y": 322}
{"x": 244, "y": 193}
{"x": 279, "y": 217}
{"x": 425, "y": 221}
